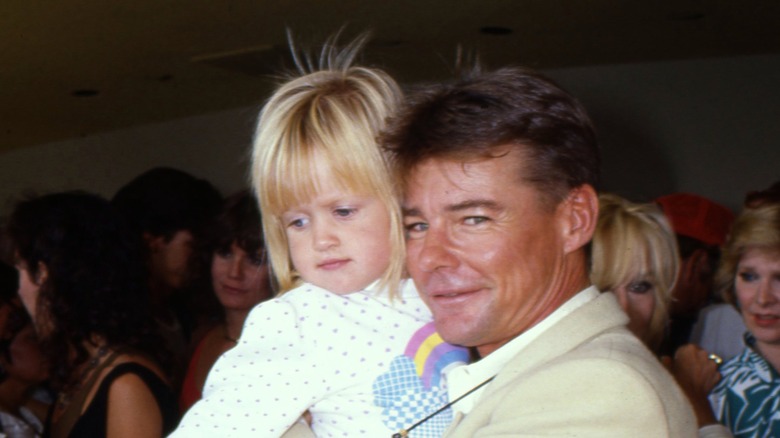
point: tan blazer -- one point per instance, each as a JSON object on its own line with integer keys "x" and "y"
{"x": 586, "y": 376}
{"x": 299, "y": 430}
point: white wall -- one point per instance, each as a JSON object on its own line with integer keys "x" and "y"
{"x": 707, "y": 126}
{"x": 214, "y": 147}
{"x": 710, "y": 127}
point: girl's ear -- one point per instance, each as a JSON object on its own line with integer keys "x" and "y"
{"x": 581, "y": 211}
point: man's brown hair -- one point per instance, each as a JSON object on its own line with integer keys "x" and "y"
{"x": 471, "y": 118}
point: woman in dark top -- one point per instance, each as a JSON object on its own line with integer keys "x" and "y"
{"x": 229, "y": 266}
{"x": 81, "y": 278}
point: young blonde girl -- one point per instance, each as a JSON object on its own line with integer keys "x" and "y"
{"x": 347, "y": 340}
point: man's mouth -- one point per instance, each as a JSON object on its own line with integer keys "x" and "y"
{"x": 453, "y": 296}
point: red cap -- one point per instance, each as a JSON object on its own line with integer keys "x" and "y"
{"x": 697, "y": 217}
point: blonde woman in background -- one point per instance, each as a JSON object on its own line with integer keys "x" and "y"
{"x": 635, "y": 257}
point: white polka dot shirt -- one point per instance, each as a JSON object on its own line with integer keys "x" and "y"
{"x": 361, "y": 364}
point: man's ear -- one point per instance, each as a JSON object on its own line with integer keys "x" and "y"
{"x": 153, "y": 243}
{"x": 580, "y": 213}
{"x": 42, "y": 275}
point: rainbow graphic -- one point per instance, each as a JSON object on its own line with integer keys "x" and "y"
{"x": 432, "y": 356}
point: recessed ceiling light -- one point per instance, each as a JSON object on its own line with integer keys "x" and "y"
{"x": 495, "y": 30}
{"x": 687, "y": 15}
{"x": 386, "y": 43}
{"x": 85, "y": 92}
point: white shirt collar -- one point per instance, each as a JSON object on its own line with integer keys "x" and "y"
{"x": 462, "y": 379}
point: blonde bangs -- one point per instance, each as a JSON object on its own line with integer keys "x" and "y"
{"x": 325, "y": 120}
{"x": 291, "y": 172}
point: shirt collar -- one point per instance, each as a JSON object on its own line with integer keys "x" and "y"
{"x": 462, "y": 379}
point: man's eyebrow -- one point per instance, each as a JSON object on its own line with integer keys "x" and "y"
{"x": 474, "y": 203}
{"x": 410, "y": 212}
{"x": 460, "y": 206}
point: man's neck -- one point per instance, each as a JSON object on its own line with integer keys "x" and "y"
{"x": 558, "y": 301}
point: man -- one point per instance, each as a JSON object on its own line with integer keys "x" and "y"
{"x": 701, "y": 226}
{"x": 167, "y": 208}
{"x": 499, "y": 174}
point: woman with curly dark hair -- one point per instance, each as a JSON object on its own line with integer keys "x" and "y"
{"x": 81, "y": 278}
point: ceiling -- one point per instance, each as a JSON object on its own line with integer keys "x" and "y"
{"x": 73, "y": 68}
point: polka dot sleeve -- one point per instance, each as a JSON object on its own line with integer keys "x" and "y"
{"x": 261, "y": 386}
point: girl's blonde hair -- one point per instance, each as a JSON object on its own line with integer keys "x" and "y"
{"x": 333, "y": 113}
{"x": 754, "y": 228}
{"x": 636, "y": 241}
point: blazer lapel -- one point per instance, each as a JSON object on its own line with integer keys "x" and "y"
{"x": 457, "y": 418}
{"x": 596, "y": 316}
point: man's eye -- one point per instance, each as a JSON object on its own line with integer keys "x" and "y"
{"x": 475, "y": 220}
{"x": 639, "y": 287}
{"x": 415, "y": 228}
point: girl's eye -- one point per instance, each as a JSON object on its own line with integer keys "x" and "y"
{"x": 298, "y": 223}
{"x": 258, "y": 259}
{"x": 344, "y": 211}
{"x": 748, "y": 276}
{"x": 223, "y": 253}
{"x": 639, "y": 287}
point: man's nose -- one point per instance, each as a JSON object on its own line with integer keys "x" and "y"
{"x": 436, "y": 251}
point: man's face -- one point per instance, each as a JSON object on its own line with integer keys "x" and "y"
{"x": 29, "y": 289}
{"x": 486, "y": 255}
{"x": 169, "y": 259}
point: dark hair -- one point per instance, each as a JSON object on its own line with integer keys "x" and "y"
{"x": 759, "y": 198}
{"x": 9, "y": 282}
{"x": 238, "y": 222}
{"x": 15, "y": 322}
{"x": 95, "y": 283}
{"x": 163, "y": 200}
{"x": 518, "y": 107}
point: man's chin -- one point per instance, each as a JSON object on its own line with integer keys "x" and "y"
{"x": 455, "y": 331}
